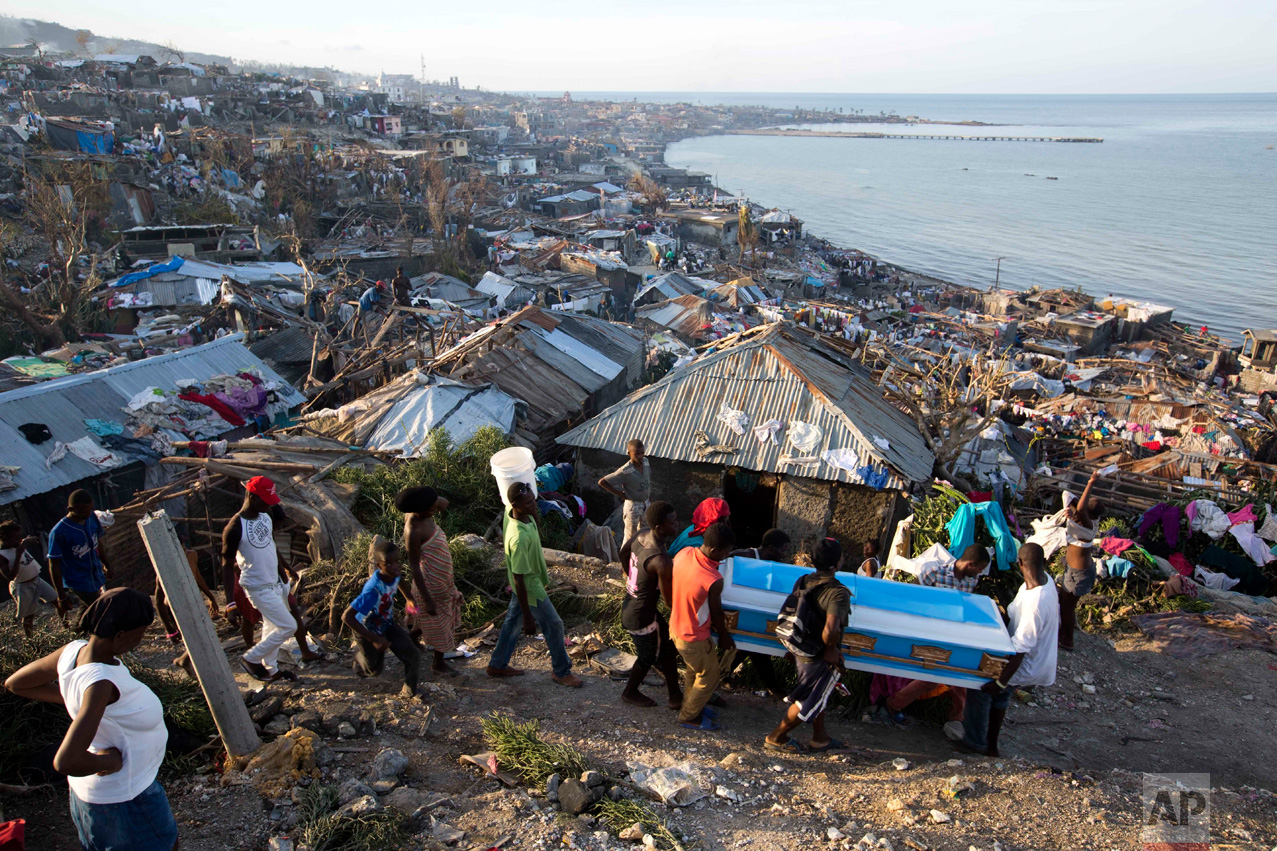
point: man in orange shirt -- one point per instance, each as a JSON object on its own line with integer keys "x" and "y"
{"x": 696, "y": 609}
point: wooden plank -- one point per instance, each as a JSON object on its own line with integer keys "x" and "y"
{"x": 281, "y": 466}
{"x": 214, "y": 674}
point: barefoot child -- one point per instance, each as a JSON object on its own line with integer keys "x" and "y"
{"x": 371, "y": 616}
{"x": 430, "y": 572}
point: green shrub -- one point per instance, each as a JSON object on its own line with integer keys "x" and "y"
{"x": 459, "y": 472}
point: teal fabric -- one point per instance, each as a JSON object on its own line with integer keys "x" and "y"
{"x": 962, "y": 532}
{"x": 686, "y": 539}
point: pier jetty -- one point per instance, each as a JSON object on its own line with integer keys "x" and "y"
{"x": 833, "y": 134}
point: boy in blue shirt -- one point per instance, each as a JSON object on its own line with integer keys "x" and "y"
{"x": 74, "y": 552}
{"x": 371, "y": 616}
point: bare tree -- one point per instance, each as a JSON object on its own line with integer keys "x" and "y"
{"x": 64, "y": 205}
{"x": 82, "y": 39}
{"x": 436, "y": 197}
{"x": 171, "y": 51}
{"x": 653, "y": 194}
{"x": 459, "y": 117}
{"x": 950, "y": 406}
{"x": 746, "y": 233}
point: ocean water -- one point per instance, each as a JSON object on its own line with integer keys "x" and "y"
{"x": 1177, "y": 206}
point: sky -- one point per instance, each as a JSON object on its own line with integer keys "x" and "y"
{"x": 845, "y": 46}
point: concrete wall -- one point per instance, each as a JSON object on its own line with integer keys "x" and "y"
{"x": 862, "y": 514}
{"x": 684, "y": 485}
{"x": 808, "y": 509}
{"x": 803, "y": 510}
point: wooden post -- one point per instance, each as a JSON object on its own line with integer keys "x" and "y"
{"x": 214, "y": 674}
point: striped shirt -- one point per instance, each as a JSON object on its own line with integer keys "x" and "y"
{"x": 942, "y": 576}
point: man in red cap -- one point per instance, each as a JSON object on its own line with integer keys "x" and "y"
{"x": 248, "y": 543}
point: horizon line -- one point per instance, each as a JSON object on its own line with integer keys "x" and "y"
{"x": 496, "y": 90}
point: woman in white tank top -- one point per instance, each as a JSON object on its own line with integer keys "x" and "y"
{"x": 112, "y": 752}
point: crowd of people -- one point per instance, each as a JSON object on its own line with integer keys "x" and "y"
{"x": 116, "y": 741}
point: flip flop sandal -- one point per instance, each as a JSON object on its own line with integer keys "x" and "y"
{"x": 285, "y": 676}
{"x": 707, "y": 724}
{"x": 833, "y": 745}
{"x": 709, "y": 712}
{"x": 791, "y": 746}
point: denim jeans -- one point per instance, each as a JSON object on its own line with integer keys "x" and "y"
{"x": 551, "y": 627}
{"x": 142, "y": 824}
{"x": 975, "y": 719}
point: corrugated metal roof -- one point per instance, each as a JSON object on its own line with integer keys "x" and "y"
{"x": 496, "y": 285}
{"x": 287, "y": 345}
{"x": 171, "y": 293}
{"x": 65, "y": 403}
{"x": 552, "y": 361}
{"x": 685, "y": 314}
{"x": 618, "y": 343}
{"x": 536, "y": 342}
{"x": 582, "y": 353}
{"x": 460, "y": 409}
{"x": 256, "y": 272}
{"x": 550, "y": 395}
{"x": 671, "y": 285}
{"x": 781, "y": 373}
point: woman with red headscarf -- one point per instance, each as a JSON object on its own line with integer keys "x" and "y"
{"x": 709, "y": 512}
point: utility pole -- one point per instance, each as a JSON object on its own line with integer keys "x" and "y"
{"x": 998, "y": 276}
{"x": 214, "y": 674}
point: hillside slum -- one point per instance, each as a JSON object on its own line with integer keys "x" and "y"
{"x": 349, "y": 287}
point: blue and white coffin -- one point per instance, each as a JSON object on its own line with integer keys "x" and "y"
{"x": 936, "y": 634}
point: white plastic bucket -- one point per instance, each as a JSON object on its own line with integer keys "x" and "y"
{"x": 515, "y": 464}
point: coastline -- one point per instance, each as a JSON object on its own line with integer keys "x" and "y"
{"x": 916, "y": 276}
{"x": 1109, "y": 227}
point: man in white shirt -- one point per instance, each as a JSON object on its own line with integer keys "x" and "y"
{"x": 1033, "y": 621}
{"x": 248, "y": 547}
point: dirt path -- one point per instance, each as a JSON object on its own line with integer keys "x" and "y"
{"x": 1069, "y": 777}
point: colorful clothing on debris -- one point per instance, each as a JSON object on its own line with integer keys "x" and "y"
{"x": 962, "y": 531}
{"x": 1168, "y": 516}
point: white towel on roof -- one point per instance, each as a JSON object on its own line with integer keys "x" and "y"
{"x": 804, "y": 437}
{"x": 736, "y": 420}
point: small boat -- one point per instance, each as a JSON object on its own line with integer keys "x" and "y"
{"x": 1053, "y": 178}
{"x": 936, "y": 634}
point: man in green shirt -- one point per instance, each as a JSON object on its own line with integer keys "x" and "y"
{"x": 530, "y": 605}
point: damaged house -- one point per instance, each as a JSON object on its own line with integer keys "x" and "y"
{"x": 781, "y": 423}
{"x": 564, "y": 367}
{"x": 107, "y": 430}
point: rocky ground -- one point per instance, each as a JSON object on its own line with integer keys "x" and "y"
{"x": 1069, "y": 777}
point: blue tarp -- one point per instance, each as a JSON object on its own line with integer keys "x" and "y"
{"x": 95, "y": 143}
{"x": 171, "y": 265}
